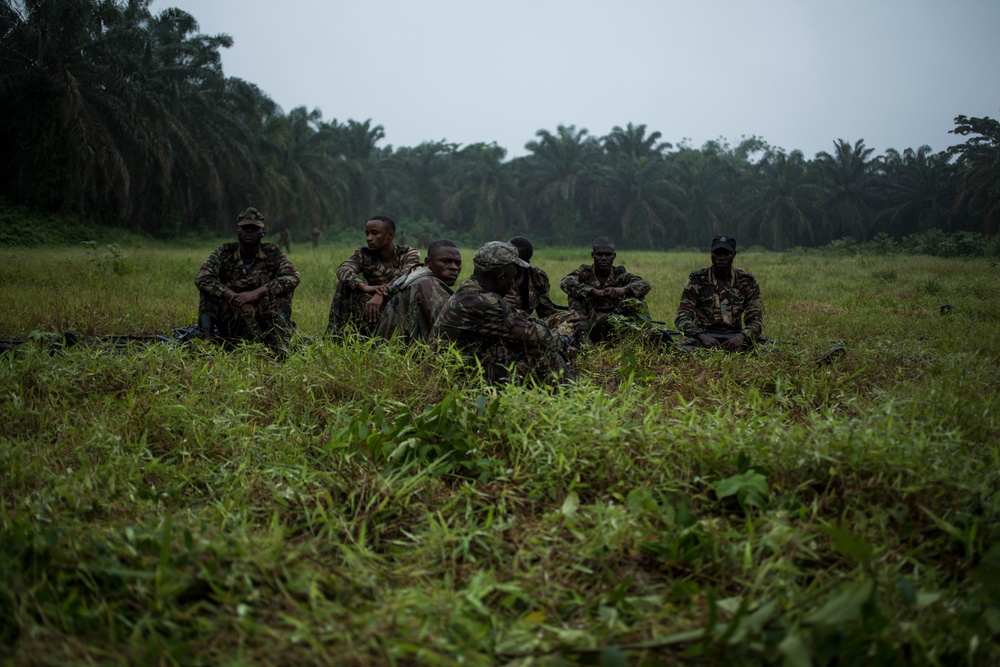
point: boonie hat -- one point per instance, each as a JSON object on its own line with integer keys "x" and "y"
{"x": 250, "y": 216}
{"x": 497, "y": 254}
{"x": 727, "y": 242}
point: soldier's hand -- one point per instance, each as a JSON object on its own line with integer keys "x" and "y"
{"x": 734, "y": 343}
{"x": 243, "y": 298}
{"x": 248, "y": 310}
{"x": 373, "y": 308}
{"x": 511, "y": 300}
{"x": 707, "y": 340}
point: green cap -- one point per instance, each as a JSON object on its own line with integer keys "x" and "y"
{"x": 497, "y": 254}
{"x": 250, "y": 216}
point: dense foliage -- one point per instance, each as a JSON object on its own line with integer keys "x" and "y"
{"x": 119, "y": 115}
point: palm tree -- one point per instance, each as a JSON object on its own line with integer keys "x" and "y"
{"x": 783, "y": 204}
{"x": 846, "y": 176}
{"x": 485, "y": 201}
{"x": 979, "y": 164}
{"x": 918, "y": 190}
{"x": 562, "y": 179}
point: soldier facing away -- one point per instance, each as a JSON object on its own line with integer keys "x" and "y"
{"x": 600, "y": 290}
{"x": 416, "y": 299}
{"x": 720, "y": 306}
{"x": 365, "y": 276}
{"x": 487, "y": 330}
{"x": 246, "y": 288}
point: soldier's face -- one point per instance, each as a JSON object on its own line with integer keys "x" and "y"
{"x": 378, "y": 235}
{"x": 722, "y": 258}
{"x": 445, "y": 263}
{"x": 249, "y": 234}
{"x": 507, "y": 277}
{"x": 604, "y": 256}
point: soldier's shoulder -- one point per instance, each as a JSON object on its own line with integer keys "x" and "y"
{"x": 231, "y": 246}
{"x": 700, "y": 274}
{"x": 745, "y": 276}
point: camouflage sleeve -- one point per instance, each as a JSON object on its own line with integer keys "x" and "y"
{"x": 410, "y": 259}
{"x": 349, "y": 270}
{"x": 519, "y": 328}
{"x": 638, "y": 286}
{"x": 545, "y": 307}
{"x": 686, "y": 322}
{"x": 207, "y": 279}
{"x": 753, "y": 312}
{"x": 575, "y": 284}
{"x": 430, "y": 298}
{"x": 285, "y": 277}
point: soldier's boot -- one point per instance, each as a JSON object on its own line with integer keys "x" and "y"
{"x": 206, "y": 322}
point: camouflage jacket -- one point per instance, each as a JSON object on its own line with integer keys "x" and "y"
{"x": 708, "y": 304}
{"x": 482, "y": 324}
{"x": 579, "y": 284}
{"x": 415, "y": 300}
{"x": 364, "y": 266}
{"x": 224, "y": 270}
{"x": 533, "y": 294}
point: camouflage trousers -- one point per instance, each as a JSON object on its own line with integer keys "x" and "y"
{"x": 348, "y": 311}
{"x": 271, "y": 323}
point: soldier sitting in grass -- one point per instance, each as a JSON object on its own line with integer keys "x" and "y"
{"x": 720, "y": 306}
{"x": 416, "y": 299}
{"x": 364, "y": 278}
{"x": 599, "y": 290}
{"x": 246, "y": 288}
{"x": 488, "y": 331}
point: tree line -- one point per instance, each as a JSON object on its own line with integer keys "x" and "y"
{"x": 125, "y": 117}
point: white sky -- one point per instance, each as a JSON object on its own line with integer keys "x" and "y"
{"x": 798, "y": 74}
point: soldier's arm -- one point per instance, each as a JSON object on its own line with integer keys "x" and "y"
{"x": 686, "y": 321}
{"x": 410, "y": 260}
{"x": 545, "y": 306}
{"x": 208, "y": 278}
{"x": 349, "y": 270}
{"x": 636, "y": 285}
{"x": 575, "y": 283}
{"x": 520, "y": 328}
{"x": 753, "y": 311}
{"x": 284, "y": 276}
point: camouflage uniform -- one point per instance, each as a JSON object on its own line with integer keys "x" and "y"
{"x": 709, "y": 305}
{"x": 225, "y": 269}
{"x": 579, "y": 284}
{"x": 485, "y": 327}
{"x": 415, "y": 300}
{"x": 364, "y": 267}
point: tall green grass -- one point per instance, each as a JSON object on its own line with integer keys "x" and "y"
{"x": 361, "y": 503}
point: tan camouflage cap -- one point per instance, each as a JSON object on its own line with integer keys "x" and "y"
{"x": 497, "y": 254}
{"x": 250, "y": 216}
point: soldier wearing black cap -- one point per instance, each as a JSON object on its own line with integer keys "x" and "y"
{"x": 486, "y": 329}
{"x": 720, "y": 306}
{"x": 246, "y": 287}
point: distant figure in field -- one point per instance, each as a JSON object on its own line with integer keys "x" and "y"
{"x": 316, "y": 234}
{"x": 531, "y": 293}
{"x": 488, "y": 331}
{"x": 246, "y": 288}
{"x": 599, "y": 290}
{"x": 424, "y": 239}
{"x": 416, "y": 299}
{"x": 365, "y": 276}
{"x": 720, "y": 306}
{"x": 285, "y": 240}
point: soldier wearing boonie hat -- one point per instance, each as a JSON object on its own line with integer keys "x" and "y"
{"x": 246, "y": 288}
{"x": 720, "y": 306}
{"x": 489, "y": 331}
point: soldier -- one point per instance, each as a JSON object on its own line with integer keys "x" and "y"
{"x": 285, "y": 241}
{"x": 485, "y": 328}
{"x": 720, "y": 306}
{"x": 365, "y": 276}
{"x": 599, "y": 290}
{"x": 531, "y": 293}
{"x": 416, "y": 299}
{"x": 246, "y": 288}
{"x": 316, "y": 234}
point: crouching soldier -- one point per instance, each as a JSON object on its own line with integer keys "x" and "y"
{"x": 489, "y": 331}
{"x": 246, "y": 288}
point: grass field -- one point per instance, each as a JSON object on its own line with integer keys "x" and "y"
{"x": 362, "y": 504}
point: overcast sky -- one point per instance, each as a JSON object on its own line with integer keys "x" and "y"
{"x": 798, "y": 74}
